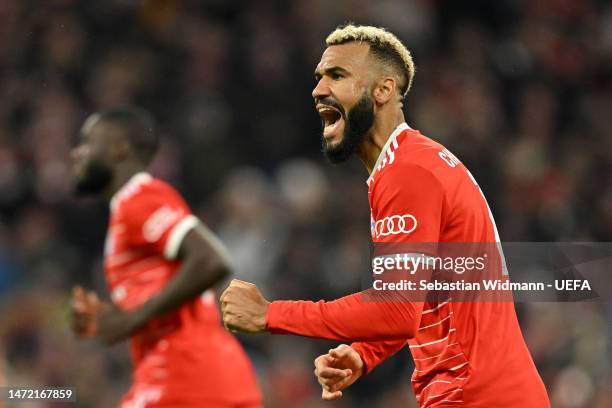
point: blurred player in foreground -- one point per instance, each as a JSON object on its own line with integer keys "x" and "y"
{"x": 466, "y": 353}
{"x": 161, "y": 263}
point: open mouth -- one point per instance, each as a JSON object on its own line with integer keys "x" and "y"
{"x": 330, "y": 118}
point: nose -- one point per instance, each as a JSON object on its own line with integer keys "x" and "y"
{"x": 321, "y": 90}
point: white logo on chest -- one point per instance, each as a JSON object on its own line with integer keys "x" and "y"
{"x": 159, "y": 222}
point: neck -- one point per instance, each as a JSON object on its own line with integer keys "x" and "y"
{"x": 123, "y": 173}
{"x": 377, "y": 137}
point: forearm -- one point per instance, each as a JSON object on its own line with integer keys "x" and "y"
{"x": 351, "y": 318}
{"x": 195, "y": 275}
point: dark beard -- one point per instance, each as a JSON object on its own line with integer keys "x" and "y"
{"x": 358, "y": 122}
{"x": 95, "y": 180}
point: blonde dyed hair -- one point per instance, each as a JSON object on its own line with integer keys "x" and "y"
{"x": 385, "y": 46}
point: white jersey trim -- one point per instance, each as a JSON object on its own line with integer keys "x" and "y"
{"x": 177, "y": 235}
{"x": 458, "y": 366}
{"x": 438, "y": 322}
{"x": 399, "y": 129}
{"x": 431, "y": 342}
{"x": 444, "y": 393}
{"x": 436, "y": 308}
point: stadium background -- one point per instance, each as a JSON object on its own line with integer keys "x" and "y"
{"x": 519, "y": 90}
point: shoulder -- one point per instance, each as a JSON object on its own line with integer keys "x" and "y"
{"x": 426, "y": 153}
{"x": 159, "y": 188}
{"x": 419, "y": 162}
{"x": 152, "y": 193}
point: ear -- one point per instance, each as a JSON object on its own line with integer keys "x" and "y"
{"x": 384, "y": 90}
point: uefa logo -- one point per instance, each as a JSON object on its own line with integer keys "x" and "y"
{"x": 395, "y": 225}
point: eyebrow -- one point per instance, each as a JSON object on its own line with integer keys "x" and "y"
{"x": 331, "y": 70}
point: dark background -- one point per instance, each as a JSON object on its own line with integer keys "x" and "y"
{"x": 519, "y": 90}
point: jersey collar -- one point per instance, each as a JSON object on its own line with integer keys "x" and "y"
{"x": 399, "y": 129}
{"x": 134, "y": 181}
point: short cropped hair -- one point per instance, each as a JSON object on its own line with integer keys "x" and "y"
{"x": 138, "y": 127}
{"x": 384, "y": 46}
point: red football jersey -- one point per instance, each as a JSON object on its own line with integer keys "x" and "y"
{"x": 185, "y": 357}
{"x": 466, "y": 353}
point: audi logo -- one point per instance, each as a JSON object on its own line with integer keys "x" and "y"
{"x": 395, "y": 224}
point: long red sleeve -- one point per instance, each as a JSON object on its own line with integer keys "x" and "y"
{"x": 351, "y": 318}
{"x": 374, "y": 353}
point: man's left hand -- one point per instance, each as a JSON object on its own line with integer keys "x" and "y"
{"x": 244, "y": 308}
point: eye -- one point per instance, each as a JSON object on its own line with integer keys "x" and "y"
{"x": 336, "y": 76}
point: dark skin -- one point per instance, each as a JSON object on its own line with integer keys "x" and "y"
{"x": 200, "y": 254}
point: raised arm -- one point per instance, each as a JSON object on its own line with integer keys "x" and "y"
{"x": 363, "y": 316}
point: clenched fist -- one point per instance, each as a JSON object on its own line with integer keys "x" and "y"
{"x": 92, "y": 317}
{"x": 244, "y": 308}
{"x": 84, "y": 310}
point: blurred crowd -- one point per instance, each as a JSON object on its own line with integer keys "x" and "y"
{"x": 520, "y": 91}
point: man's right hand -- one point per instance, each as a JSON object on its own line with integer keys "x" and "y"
{"x": 337, "y": 370}
{"x": 84, "y": 307}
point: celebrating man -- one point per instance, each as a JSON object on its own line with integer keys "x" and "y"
{"x": 466, "y": 353}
